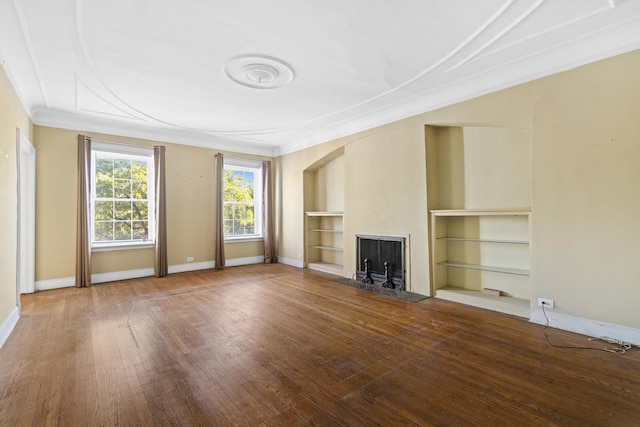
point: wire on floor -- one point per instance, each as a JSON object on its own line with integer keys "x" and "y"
{"x": 620, "y": 349}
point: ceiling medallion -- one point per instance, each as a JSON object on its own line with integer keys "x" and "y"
{"x": 259, "y": 71}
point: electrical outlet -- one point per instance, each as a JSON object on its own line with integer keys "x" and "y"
{"x": 549, "y": 303}
{"x": 190, "y": 259}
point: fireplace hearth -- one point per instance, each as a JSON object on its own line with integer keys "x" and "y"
{"x": 380, "y": 261}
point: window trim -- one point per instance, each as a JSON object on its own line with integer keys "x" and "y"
{"x": 132, "y": 152}
{"x": 256, "y": 167}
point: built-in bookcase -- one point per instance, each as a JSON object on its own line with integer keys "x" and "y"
{"x": 324, "y": 214}
{"x": 481, "y": 257}
{"x": 325, "y": 243}
{"x": 480, "y": 240}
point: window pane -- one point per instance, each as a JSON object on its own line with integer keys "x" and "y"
{"x": 104, "y": 166}
{"x": 139, "y": 170}
{"x": 140, "y": 210}
{"x": 139, "y": 190}
{"x": 122, "y": 189}
{"x": 122, "y": 210}
{"x": 122, "y": 168}
{"x": 104, "y": 178}
{"x": 123, "y": 230}
{"x": 104, "y": 231}
{"x": 104, "y": 211}
{"x": 140, "y": 230}
{"x": 104, "y": 187}
{"x": 229, "y": 229}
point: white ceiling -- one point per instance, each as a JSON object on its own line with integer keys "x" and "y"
{"x": 156, "y": 68}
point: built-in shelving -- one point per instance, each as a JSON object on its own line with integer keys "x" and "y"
{"x": 476, "y": 249}
{"x": 509, "y": 305}
{"x": 517, "y": 271}
{"x": 517, "y": 242}
{"x": 324, "y": 243}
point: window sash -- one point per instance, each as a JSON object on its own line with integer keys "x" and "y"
{"x": 134, "y": 224}
{"x": 256, "y": 169}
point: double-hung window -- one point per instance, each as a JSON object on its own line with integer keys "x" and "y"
{"x": 122, "y": 195}
{"x": 242, "y": 185}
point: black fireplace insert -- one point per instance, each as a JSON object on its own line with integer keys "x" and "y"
{"x": 380, "y": 261}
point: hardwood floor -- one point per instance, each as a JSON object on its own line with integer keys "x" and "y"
{"x": 275, "y": 345}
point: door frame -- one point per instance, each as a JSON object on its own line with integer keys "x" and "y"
{"x": 25, "y": 263}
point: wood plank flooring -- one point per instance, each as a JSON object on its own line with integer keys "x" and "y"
{"x": 275, "y": 345}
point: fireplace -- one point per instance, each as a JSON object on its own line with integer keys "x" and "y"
{"x": 380, "y": 261}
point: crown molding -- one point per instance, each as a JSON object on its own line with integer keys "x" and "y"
{"x": 555, "y": 59}
{"x": 89, "y": 123}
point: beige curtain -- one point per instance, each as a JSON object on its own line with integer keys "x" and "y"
{"x": 219, "y": 212}
{"x": 161, "y": 264}
{"x": 83, "y": 212}
{"x": 267, "y": 214}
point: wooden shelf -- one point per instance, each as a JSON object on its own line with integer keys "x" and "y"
{"x": 481, "y": 212}
{"x": 499, "y": 238}
{"x": 324, "y": 241}
{"x": 325, "y": 230}
{"x": 517, "y": 271}
{"x": 464, "y": 239}
{"x": 327, "y": 248}
{"x": 325, "y": 213}
{"x": 504, "y": 304}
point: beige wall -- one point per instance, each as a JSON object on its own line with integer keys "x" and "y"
{"x": 190, "y": 230}
{"x": 585, "y": 173}
{"x": 586, "y": 192}
{"x": 329, "y": 186}
{"x": 12, "y": 117}
{"x": 386, "y": 195}
{"x": 497, "y": 167}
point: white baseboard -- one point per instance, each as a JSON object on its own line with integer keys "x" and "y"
{"x": 234, "y": 262}
{"x": 291, "y": 261}
{"x": 61, "y": 282}
{"x": 68, "y": 282}
{"x": 192, "y": 266}
{"x": 588, "y": 327}
{"x": 121, "y": 275}
{"x": 9, "y": 323}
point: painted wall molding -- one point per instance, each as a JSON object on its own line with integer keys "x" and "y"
{"x": 8, "y": 325}
{"x": 192, "y": 266}
{"x": 588, "y": 327}
{"x": 58, "y": 283}
{"x": 67, "y": 282}
{"x": 291, "y": 261}
{"x": 234, "y": 262}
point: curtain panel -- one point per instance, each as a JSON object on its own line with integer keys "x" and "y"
{"x": 160, "y": 262}
{"x": 219, "y": 212}
{"x": 83, "y": 212}
{"x": 268, "y": 214}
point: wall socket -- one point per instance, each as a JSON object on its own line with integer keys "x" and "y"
{"x": 190, "y": 259}
{"x": 549, "y": 303}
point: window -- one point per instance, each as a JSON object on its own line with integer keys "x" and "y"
{"x": 242, "y": 183}
{"x": 122, "y": 195}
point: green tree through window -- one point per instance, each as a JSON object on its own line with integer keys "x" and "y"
{"x": 121, "y": 202}
{"x": 242, "y": 201}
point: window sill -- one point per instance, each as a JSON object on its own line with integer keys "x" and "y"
{"x": 122, "y": 247}
{"x": 244, "y": 239}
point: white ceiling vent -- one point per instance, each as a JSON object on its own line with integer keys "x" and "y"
{"x": 259, "y": 71}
